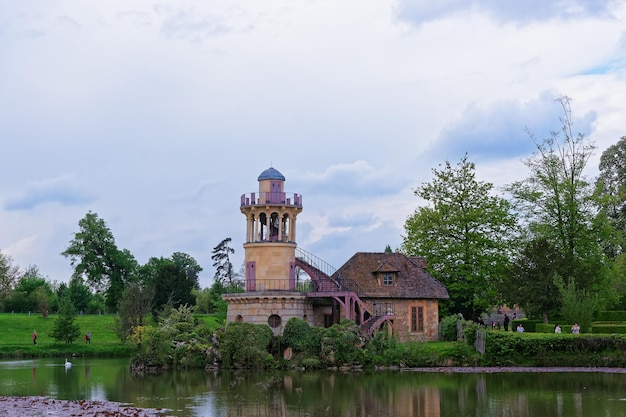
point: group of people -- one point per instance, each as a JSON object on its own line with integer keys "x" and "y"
{"x": 520, "y": 326}
{"x": 575, "y": 328}
{"x": 557, "y": 328}
{"x": 87, "y": 337}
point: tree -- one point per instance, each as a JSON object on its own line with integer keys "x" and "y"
{"x": 611, "y": 188}
{"x": 530, "y": 282}
{"x": 221, "y": 262}
{"x": 465, "y": 234}
{"x": 557, "y": 204}
{"x": 65, "y": 327}
{"x": 577, "y": 305}
{"x": 188, "y": 264}
{"x": 8, "y": 276}
{"x": 135, "y": 303}
{"x": 32, "y": 293}
{"x": 172, "y": 286}
{"x": 96, "y": 258}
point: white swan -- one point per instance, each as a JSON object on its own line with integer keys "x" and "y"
{"x": 68, "y": 365}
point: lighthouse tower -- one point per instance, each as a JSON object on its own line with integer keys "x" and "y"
{"x": 270, "y": 295}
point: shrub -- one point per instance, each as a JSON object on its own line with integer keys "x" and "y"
{"x": 469, "y": 333}
{"x": 611, "y": 316}
{"x": 244, "y": 345}
{"x": 341, "y": 344}
{"x": 301, "y": 337}
{"x": 448, "y": 328}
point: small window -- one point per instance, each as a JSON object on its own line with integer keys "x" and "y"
{"x": 274, "y": 321}
{"x": 388, "y": 278}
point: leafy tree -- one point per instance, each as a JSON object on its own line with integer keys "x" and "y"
{"x": 531, "y": 279}
{"x": 65, "y": 327}
{"x": 172, "y": 286}
{"x": 79, "y": 293}
{"x": 611, "y": 187}
{"x": 135, "y": 303}
{"x": 188, "y": 264}
{"x": 388, "y": 249}
{"x": 32, "y": 293}
{"x": 578, "y": 305}
{"x": 221, "y": 262}
{"x": 465, "y": 234}
{"x": 8, "y": 277}
{"x": 96, "y": 258}
{"x": 557, "y": 202}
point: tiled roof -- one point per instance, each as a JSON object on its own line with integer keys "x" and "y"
{"x": 411, "y": 278}
{"x": 271, "y": 174}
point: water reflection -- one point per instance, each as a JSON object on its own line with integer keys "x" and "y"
{"x": 328, "y": 394}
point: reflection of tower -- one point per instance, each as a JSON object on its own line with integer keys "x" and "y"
{"x": 270, "y": 264}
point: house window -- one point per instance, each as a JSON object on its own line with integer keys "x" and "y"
{"x": 417, "y": 319}
{"x": 388, "y": 278}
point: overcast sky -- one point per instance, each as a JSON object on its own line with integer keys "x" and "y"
{"x": 157, "y": 116}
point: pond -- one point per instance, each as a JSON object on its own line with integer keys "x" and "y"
{"x": 329, "y": 393}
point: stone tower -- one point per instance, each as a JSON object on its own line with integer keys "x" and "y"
{"x": 270, "y": 295}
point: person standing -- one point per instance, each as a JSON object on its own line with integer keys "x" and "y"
{"x": 506, "y": 322}
{"x": 557, "y": 329}
{"x": 520, "y": 328}
{"x": 34, "y": 337}
{"x": 576, "y": 328}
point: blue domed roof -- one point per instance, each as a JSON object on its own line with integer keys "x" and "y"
{"x": 271, "y": 174}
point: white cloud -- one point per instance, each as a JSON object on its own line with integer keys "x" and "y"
{"x": 159, "y": 116}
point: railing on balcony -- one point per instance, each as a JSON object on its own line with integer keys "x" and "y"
{"x": 300, "y": 285}
{"x": 272, "y": 198}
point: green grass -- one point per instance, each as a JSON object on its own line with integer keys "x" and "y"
{"x": 16, "y": 331}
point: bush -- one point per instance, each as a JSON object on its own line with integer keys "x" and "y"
{"x": 608, "y": 328}
{"x": 245, "y": 345}
{"x": 448, "y": 328}
{"x": 611, "y": 316}
{"x": 469, "y": 333}
{"x": 301, "y": 337}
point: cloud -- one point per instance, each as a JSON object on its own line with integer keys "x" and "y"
{"x": 62, "y": 190}
{"x": 500, "y": 130}
{"x": 420, "y": 11}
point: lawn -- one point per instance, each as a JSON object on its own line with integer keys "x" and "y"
{"x": 16, "y": 332}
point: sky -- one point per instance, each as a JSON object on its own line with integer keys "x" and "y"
{"x": 158, "y": 116}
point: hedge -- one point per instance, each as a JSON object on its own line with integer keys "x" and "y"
{"x": 611, "y": 316}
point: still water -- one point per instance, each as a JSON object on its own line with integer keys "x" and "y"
{"x": 328, "y": 394}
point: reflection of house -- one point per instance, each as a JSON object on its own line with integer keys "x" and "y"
{"x": 373, "y": 289}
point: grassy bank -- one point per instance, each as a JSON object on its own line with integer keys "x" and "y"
{"x": 16, "y": 331}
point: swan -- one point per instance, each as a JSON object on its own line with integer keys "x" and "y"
{"x": 68, "y": 365}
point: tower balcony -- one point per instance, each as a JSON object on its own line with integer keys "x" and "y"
{"x": 271, "y": 198}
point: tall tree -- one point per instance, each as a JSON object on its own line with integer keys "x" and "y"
{"x": 135, "y": 303}
{"x": 188, "y": 264}
{"x": 172, "y": 285}
{"x": 221, "y": 262}
{"x": 557, "y": 203}
{"x": 530, "y": 282}
{"x": 465, "y": 233}
{"x": 8, "y": 276}
{"x": 611, "y": 187}
{"x": 96, "y": 258}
